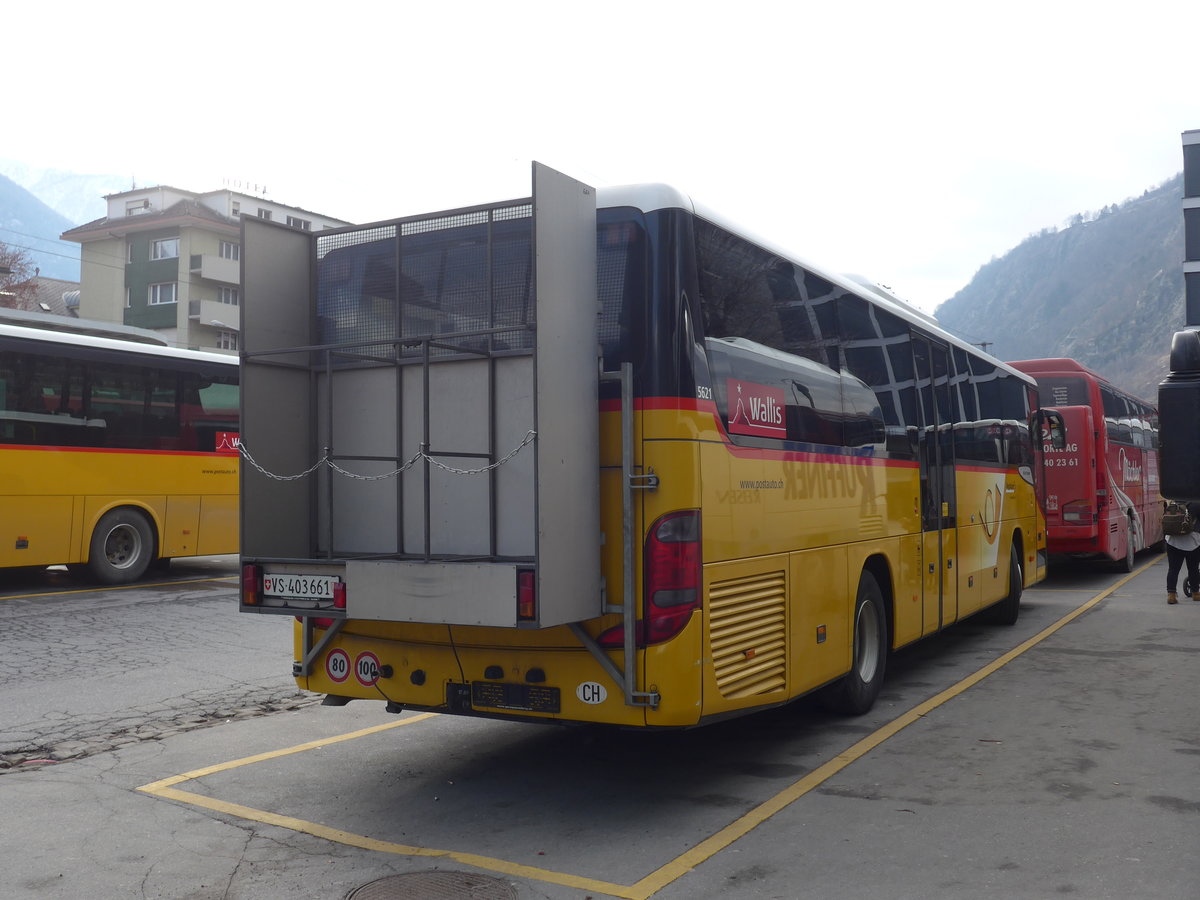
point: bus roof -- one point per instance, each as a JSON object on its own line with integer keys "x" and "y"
{"x": 651, "y": 197}
{"x": 51, "y": 322}
{"x": 47, "y": 337}
{"x": 1056, "y": 364}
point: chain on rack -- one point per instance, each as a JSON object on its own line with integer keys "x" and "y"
{"x": 408, "y": 464}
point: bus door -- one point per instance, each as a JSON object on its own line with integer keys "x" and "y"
{"x": 938, "y": 500}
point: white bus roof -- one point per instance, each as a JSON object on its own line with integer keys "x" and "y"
{"x": 86, "y": 340}
{"x": 651, "y": 197}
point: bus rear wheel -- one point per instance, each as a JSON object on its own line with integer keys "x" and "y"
{"x": 1126, "y": 564}
{"x": 121, "y": 548}
{"x": 1007, "y": 610}
{"x": 855, "y": 693}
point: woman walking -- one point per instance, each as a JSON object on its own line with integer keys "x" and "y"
{"x": 1184, "y": 548}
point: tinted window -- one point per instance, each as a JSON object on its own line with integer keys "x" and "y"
{"x": 1064, "y": 390}
{"x": 766, "y": 395}
{"x": 87, "y": 401}
{"x": 748, "y": 292}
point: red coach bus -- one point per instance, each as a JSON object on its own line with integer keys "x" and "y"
{"x": 1102, "y": 490}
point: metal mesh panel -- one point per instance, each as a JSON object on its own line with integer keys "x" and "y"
{"x": 329, "y": 242}
{"x": 464, "y": 280}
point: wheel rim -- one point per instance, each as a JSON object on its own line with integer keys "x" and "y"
{"x": 866, "y": 642}
{"x": 123, "y": 546}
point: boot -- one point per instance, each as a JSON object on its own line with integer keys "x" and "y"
{"x": 1196, "y": 595}
{"x": 1171, "y": 597}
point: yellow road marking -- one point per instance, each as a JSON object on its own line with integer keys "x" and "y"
{"x": 661, "y": 877}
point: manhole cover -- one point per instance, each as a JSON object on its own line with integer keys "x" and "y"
{"x": 435, "y": 886}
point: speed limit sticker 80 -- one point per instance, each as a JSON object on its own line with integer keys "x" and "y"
{"x": 337, "y": 665}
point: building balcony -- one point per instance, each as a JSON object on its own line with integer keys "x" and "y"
{"x": 216, "y": 268}
{"x": 214, "y": 314}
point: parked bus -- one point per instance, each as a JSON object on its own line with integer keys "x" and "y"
{"x": 1102, "y": 490}
{"x": 790, "y": 474}
{"x": 114, "y": 455}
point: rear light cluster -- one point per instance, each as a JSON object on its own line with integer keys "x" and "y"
{"x": 672, "y": 580}
{"x": 251, "y": 585}
{"x": 1078, "y": 512}
{"x": 526, "y": 596}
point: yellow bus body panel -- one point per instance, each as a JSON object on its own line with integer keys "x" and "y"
{"x": 785, "y": 536}
{"x": 52, "y": 499}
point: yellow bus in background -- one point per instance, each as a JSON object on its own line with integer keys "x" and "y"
{"x": 114, "y": 456}
{"x": 604, "y": 457}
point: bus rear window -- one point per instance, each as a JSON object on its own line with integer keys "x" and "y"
{"x": 1063, "y": 390}
{"x": 467, "y": 280}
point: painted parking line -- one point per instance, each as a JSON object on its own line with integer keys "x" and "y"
{"x": 673, "y": 870}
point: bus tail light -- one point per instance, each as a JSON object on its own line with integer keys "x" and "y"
{"x": 1078, "y": 512}
{"x": 526, "y": 596}
{"x": 251, "y": 585}
{"x": 672, "y": 582}
{"x": 672, "y": 574}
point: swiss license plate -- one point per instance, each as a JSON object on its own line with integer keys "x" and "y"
{"x": 525, "y": 697}
{"x": 312, "y": 587}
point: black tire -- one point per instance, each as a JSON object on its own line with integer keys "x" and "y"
{"x": 855, "y": 693}
{"x": 1126, "y": 564}
{"x": 1007, "y": 610}
{"x": 121, "y": 548}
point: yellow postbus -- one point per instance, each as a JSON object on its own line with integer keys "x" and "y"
{"x": 603, "y": 457}
{"x": 114, "y": 455}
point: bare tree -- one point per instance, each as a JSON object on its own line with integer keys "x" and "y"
{"x": 18, "y": 290}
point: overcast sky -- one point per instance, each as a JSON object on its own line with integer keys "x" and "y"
{"x": 909, "y": 142}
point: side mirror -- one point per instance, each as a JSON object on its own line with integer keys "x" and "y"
{"x": 1054, "y": 429}
{"x": 1179, "y": 420}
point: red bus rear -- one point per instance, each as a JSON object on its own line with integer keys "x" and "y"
{"x": 1102, "y": 492}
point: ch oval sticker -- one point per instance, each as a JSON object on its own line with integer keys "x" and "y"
{"x": 591, "y": 692}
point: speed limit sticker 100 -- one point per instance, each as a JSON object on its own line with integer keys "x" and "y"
{"x": 366, "y": 668}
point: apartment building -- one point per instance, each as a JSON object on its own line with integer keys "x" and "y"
{"x": 169, "y": 260}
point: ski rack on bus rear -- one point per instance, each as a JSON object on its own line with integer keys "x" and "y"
{"x": 377, "y": 396}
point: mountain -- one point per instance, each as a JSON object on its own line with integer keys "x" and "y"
{"x": 30, "y": 225}
{"x": 1107, "y": 291}
{"x": 80, "y": 198}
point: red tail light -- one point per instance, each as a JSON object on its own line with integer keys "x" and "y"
{"x": 251, "y": 584}
{"x": 1078, "y": 512}
{"x": 672, "y": 574}
{"x": 339, "y": 595}
{"x": 526, "y": 596}
{"x": 672, "y": 580}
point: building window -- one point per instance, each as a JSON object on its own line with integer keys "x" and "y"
{"x": 229, "y": 295}
{"x": 230, "y": 250}
{"x": 237, "y": 208}
{"x": 168, "y": 248}
{"x": 136, "y": 207}
{"x": 302, "y": 224}
{"x": 164, "y": 292}
{"x": 227, "y": 340}
{"x": 264, "y": 214}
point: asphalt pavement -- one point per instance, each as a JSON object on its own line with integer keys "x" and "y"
{"x": 1055, "y": 758}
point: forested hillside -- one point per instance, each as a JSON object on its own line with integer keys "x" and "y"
{"x": 1106, "y": 290}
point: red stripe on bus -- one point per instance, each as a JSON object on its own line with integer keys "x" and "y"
{"x": 207, "y": 454}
